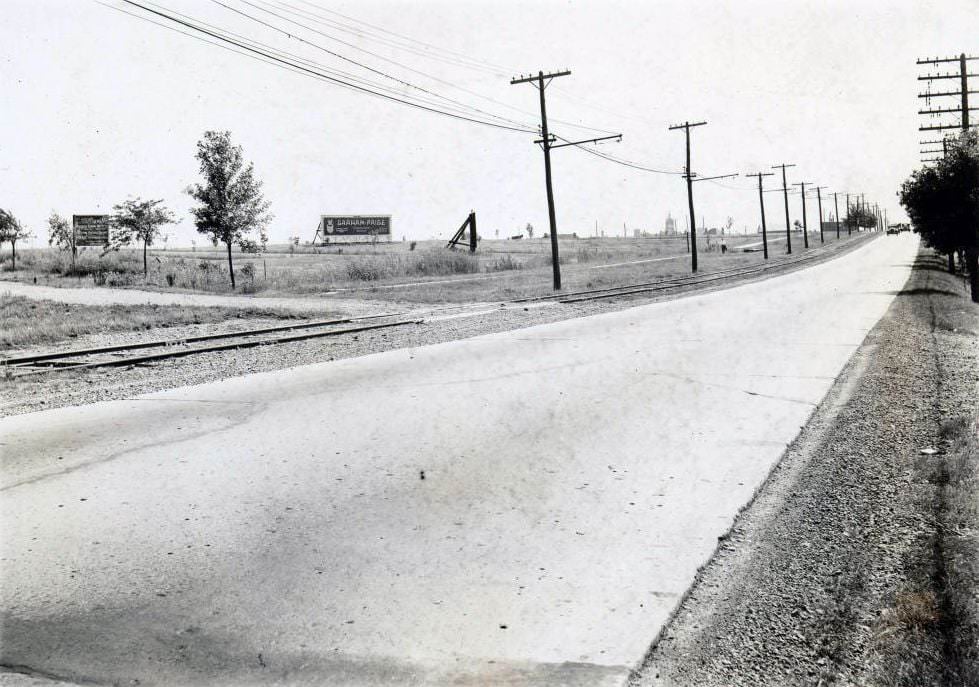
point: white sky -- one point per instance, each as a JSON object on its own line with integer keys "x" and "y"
{"x": 98, "y": 106}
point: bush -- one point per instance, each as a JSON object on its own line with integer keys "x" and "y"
{"x": 503, "y": 264}
{"x": 442, "y": 262}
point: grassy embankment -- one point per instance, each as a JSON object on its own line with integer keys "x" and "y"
{"x": 31, "y": 323}
{"x": 499, "y": 270}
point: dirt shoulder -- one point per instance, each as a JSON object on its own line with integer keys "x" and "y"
{"x": 856, "y": 562}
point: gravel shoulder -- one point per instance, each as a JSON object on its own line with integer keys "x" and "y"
{"x": 847, "y": 567}
{"x": 442, "y": 323}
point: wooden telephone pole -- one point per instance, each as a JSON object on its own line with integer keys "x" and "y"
{"x": 819, "y": 201}
{"x": 785, "y": 194}
{"x": 691, "y": 177}
{"x": 805, "y": 223}
{"x": 540, "y": 82}
{"x": 688, "y": 175}
{"x": 836, "y": 207}
{"x": 761, "y": 199}
{"x": 963, "y": 110}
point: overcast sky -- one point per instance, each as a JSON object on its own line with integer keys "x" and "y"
{"x": 98, "y": 106}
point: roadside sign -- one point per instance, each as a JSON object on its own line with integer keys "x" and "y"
{"x": 91, "y": 230}
{"x": 355, "y": 225}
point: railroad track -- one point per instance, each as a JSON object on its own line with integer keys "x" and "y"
{"x": 154, "y": 351}
{"x": 119, "y": 355}
{"x": 679, "y": 282}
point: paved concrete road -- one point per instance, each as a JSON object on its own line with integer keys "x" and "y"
{"x": 519, "y": 508}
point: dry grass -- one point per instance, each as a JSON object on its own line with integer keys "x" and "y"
{"x": 500, "y": 269}
{"x": 30, "y": 323}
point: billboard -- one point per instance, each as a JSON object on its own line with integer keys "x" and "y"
{"x": 355, "y": 225}
{"x": 91, "y": 230}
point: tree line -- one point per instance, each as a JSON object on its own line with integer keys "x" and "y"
{"x": 230, "y": 209}
{"x": 943, "y": 204}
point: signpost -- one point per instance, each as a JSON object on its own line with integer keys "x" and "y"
{"x": 91, "y": 230}
{"x": 353, "y": 228}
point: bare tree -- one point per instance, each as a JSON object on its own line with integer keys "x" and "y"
{"x": 231, "y": 204}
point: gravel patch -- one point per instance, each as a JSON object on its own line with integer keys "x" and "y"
{"x": 830, "y": 575}
{"x": 443, "y": 323}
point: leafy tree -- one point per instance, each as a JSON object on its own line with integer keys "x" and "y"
{"x": 943, "y": 204}
{"x": 13, "y": 231}
{"x": 860, "y": 218}
{"x": 140, "y": 220}
{"x": 60, "y": 233}
{"x": 231, "y": 205}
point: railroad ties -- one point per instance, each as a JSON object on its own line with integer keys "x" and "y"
{"x": 154, "y": 351}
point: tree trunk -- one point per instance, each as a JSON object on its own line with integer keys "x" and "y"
{"x": 972, "y": 263}
{"x": 231, "y": 267}
{"x": 13, "y": 256}
{"x": 146, "y": 270}
{"x": 951, "y": 262}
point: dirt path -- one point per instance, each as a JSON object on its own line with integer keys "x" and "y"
{"x": 835, "y": 573}
{"x": 97, "y": 296}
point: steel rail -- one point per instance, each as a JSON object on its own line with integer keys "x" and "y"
{"x": 22, "y": 360}
{"x": 253, "y": 343}
{"x": 689, "y": 281}
{"x": 678, "y": 281}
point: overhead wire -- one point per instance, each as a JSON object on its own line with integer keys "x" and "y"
{"x": 264, "y": 53}
{"x": 266, "y": 47}
{"x": 312, "y": 17}
{"x": 426, "y": 49}
{"x": 340, "y": 56}
{"x": 321, "y": 75}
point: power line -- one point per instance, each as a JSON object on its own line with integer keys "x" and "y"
{"x": 453, "y": 57}
{"x": 305, "y": 15}
{"x": 281, "y": 53}
{"x": 323, "y": 76}
{"x": 367, "y": 67}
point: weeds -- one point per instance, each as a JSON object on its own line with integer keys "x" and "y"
{"x": 28, "y": 323}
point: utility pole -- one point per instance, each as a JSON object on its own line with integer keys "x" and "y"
{"x": 849, "y": 220}
{"x": 805, "y": 223}
{"x": 785, "y": 194}
{"x": 761, "y": 200}
{"x": 819, "y": 200}
{"x": 836, "y": 206}
{"x": 963, "y": 110}
{"x": 546, "y": 142}
{"x": 688, "y": 175}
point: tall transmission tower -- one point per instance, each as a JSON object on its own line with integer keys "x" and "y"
{"x": 546, "y": 142}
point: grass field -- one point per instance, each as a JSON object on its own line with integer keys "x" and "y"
{"x": 425, "y": 272}
{"x": 30, "y": 323}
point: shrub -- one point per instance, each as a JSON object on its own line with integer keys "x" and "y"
{"x": 442, "y": 262}
{"x": 503, "y": 264}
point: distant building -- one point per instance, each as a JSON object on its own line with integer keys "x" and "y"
{"x": 670, "y": 229}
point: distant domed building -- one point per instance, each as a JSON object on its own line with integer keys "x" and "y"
{"x": 670, "y": 225}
